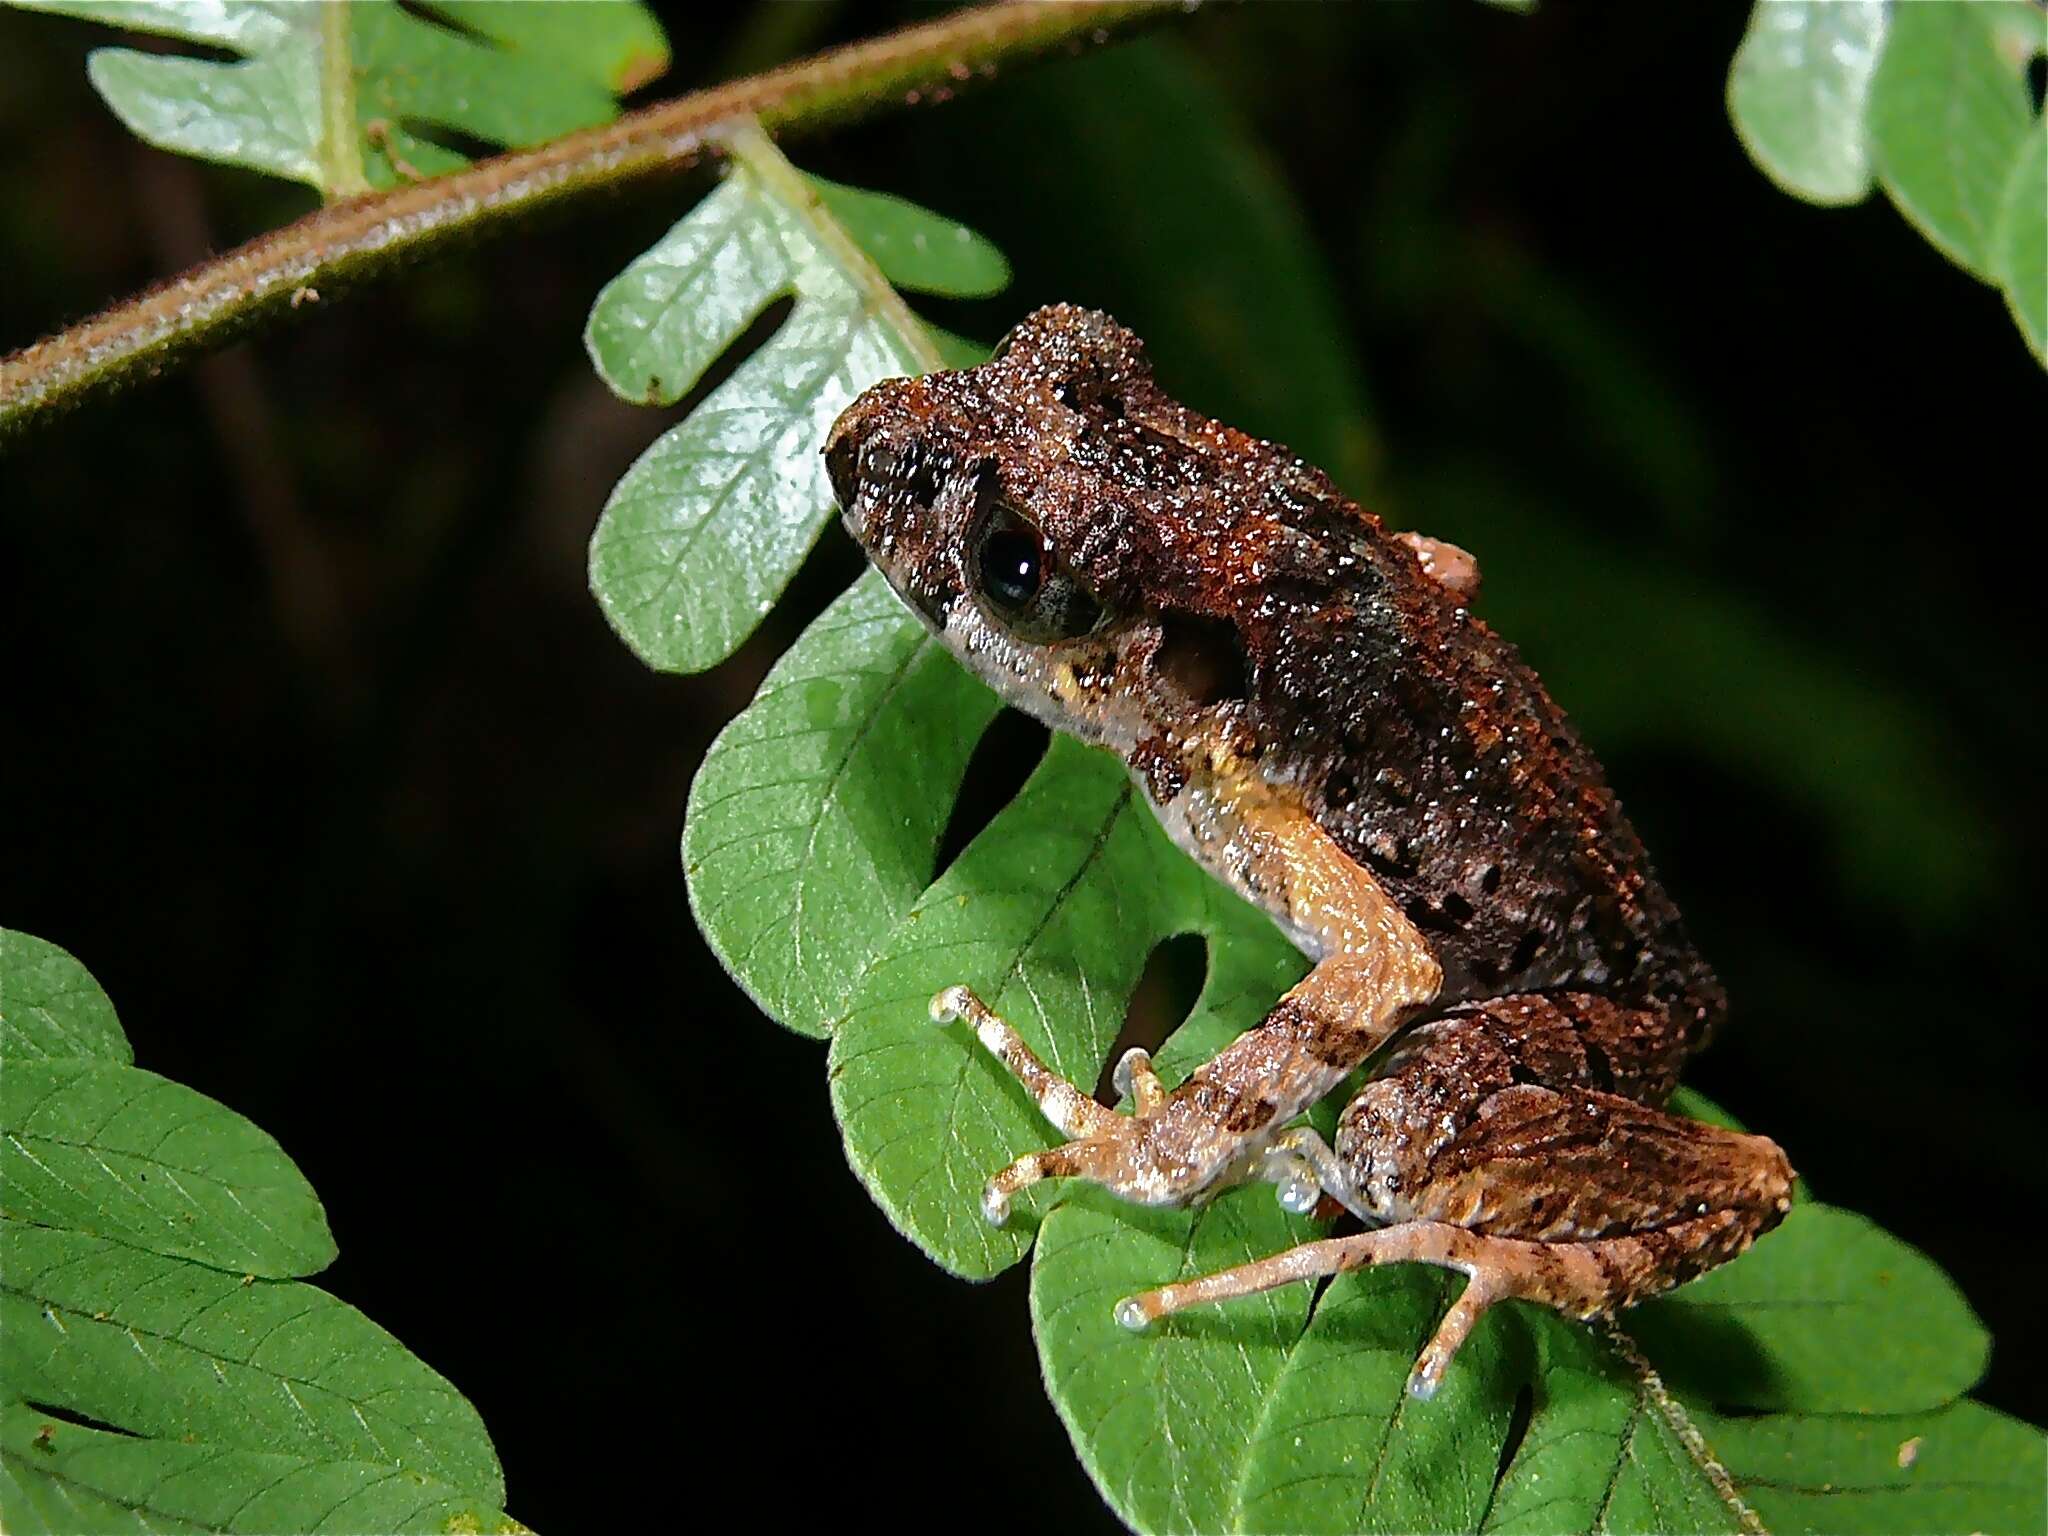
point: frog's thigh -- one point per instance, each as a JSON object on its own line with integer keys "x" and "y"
{"x": 1455, "y": 1134}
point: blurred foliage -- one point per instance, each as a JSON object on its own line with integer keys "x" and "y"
{"x": 1930, "y": 100}
{"x": 150, "y": 1240}
{"x": 364, "y": 96}
{"x": 1592, "y": 371}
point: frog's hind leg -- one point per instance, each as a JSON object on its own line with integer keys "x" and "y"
{"x": 1582, "y": 1280}
{"x": 1481, "y": 1150}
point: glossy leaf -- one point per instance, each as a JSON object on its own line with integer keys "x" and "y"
{"x": 816, "y": 815}
{"x": 1948, "y": 113}
{"x": 2019, "y": 239}
{"x": 1798, "y": 89}
{"x": 51, "y": 1007}
{"x": 58, "y": 1478}
{"x": 504, "y": 72}
{"x": 704, "y": 532}
{"x": 128, "y": 1155}
{"x": 168, "y": 1348}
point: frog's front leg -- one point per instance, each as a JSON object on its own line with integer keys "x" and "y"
{"x": 1215, "y": 1128}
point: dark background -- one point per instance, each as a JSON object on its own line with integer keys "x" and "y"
{"x": 315, "y": 750}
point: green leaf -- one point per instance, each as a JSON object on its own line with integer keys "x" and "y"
{"x": 2019, "y": 239}
{"x": 58, "y": 1478}
{"x": 1342, "y": 1447}
{"x": 128, "y": 1155}
{"x": 1162, "y": 1420}
{"x": 1960, "y": 1468}
{"x": 1948, "y": 111}
{"x": 915, "y": 249}
{"x": 168, "y": 1348}
{"x": 816, "y": 815}
{"x": 704, "y": 532}
{"x": 1805, "y": 1320}
{"x": 1606, "y": 1449}
{"x": 1798, "y": 89}
{"x": 342, "y": 100}
{"x": 50, "y": 1006}
{"x": 135, "y": 1219}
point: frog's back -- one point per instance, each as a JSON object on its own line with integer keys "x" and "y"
{"x": 1416, "y": 736}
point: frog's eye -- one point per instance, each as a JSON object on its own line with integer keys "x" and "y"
{"x": 1024, "y": 588}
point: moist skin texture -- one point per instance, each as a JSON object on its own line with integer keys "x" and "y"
{"x": 1319, "y": 719}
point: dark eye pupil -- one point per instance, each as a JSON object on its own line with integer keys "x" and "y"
{"x": 1011, "y": 568}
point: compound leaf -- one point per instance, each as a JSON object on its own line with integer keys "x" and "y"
{"x": 704, "y": 532}
{"x": 136, "y": 1217}
{"x": 348, "y": 99}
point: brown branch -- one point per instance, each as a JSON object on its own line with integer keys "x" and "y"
{"x": 306, "y": 261}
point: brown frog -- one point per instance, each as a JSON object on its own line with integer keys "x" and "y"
{"x": 1319, "y": 720}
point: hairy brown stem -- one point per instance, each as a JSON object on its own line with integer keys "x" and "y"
{"x": 302, "y": 264}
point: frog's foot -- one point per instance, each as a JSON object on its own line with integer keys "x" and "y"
{"x": 1583, "y": 1280}
{"x": 1110, "y": 1148}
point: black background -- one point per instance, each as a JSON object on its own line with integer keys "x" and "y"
{"x": 315, "y": 750}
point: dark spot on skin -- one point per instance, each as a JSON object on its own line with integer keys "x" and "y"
{"x": 1525, "y": 952}
{"x": 1430, "y": 918}
{"x": 1202, "y": 658}
{"x": 1599, "y": 1070}
{"x": 1340, "y": 787}
{"x": 1247, "y": 1115}
{"x": 1389, "y": 855}
{"x": 1394, "y": 784}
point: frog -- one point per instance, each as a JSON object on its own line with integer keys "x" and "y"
{"x": 1317, "y": 715}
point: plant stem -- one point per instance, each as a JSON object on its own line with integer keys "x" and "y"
{"x": 749, "y": 146}
{"x": 344, "y": 242}
{"x": 341, "y": 161}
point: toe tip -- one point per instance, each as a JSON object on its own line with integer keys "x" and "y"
{"x": 949, "y": 1005}
{"x": 1131, "y": 1314}
{"x": 995, "y": 1207}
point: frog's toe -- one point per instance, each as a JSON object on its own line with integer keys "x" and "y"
{"x": 1093, "y": 1158}
{"x": 1134, "y": 1079}
{"x": 1066, "y": 1106}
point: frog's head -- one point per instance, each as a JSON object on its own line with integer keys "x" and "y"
{"x": 984, "y": 498}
